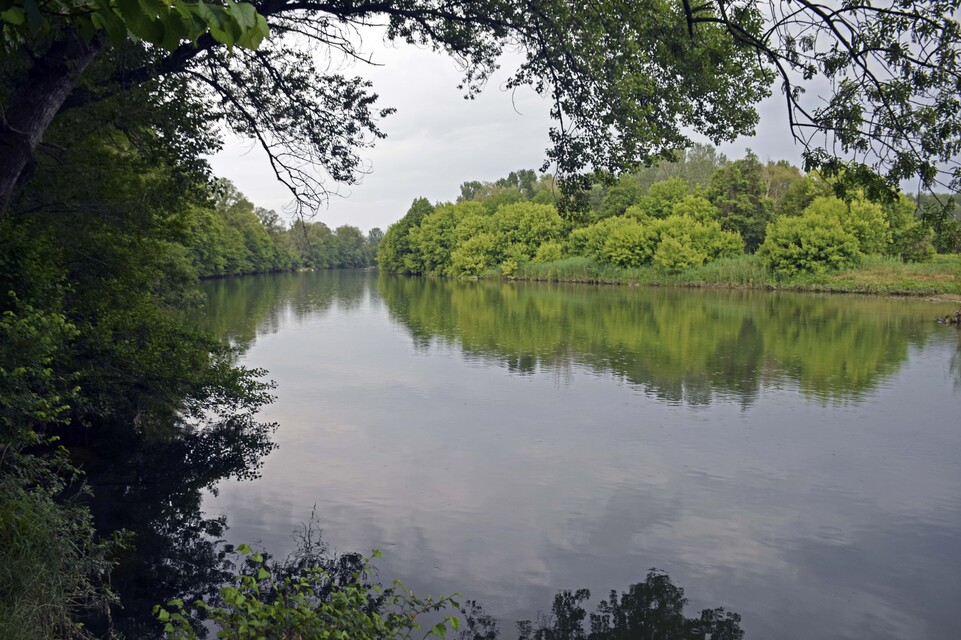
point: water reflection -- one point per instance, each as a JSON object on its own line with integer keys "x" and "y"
{"x": 151, "y": 485}
{"x": 240, "y": 309}
{"x": 781, "y": 451}
{"x": 680, "y": 345}
{"x": 652, "y": 609}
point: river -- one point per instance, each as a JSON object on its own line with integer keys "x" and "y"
{"x": 795, "y": 458}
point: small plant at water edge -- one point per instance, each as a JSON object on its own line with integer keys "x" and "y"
{"x": 308, "y": 604}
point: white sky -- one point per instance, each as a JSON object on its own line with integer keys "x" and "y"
{"x": 436, "y": 140}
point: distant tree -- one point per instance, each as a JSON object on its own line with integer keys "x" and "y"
{"x": 619, "y": 196}
{"x": 801, "y": 193}
{"x": 737, "y": 190}
{"x": 661, "y": 197}
{"x": 778, "y": 179}
{"x": 394, "y": 248}
{"x": 350, "y": 246}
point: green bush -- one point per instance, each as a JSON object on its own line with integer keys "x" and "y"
{"x": 629, "y": 244}
{"x": 676, "y": 255}
{"x": 52, "y": 569}
{"x": 689, "y": 243}
{"x": 695, "y": 207}
{"x": 914, "y": 243}
{"x": 548, "y": 251}
{"x": 473, "y": 256}
{"x": 310, "y": 603}
{"x": 589, "y": 241}
{"x": 811, "y": 243}
{"x": 860, "y": 217}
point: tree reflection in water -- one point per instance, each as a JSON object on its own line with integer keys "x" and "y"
{"x": 648, "y": 610}
{"x": 150, "y": 485}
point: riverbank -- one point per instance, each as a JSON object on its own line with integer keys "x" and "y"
{"x": 876, "y": 275}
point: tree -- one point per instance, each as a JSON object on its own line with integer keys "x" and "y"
{"x": 395, "y": 248}
{"x": 814, "y": 242}
{"x": 62, "y": 38}
{"x": 628, "y": 82}
{"x": 737, "y": 190}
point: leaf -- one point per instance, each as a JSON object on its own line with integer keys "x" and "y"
{"x": 263, "y": 574}
{"x": 439, "y": 630}
{"x": 14, "y": 15}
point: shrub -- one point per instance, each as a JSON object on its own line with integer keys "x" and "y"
{"x": 676, "y": 255}
{"x": 548, "y": 252}
{"x": 589, "y": 241}
{"x": 811, "y": 243}
{"x": 474, "y": 255}
{"x": 861, "y": 217}
{"x": 695, "y": 207}
{"x": 914, "y": 243}
{"x": 310, "y": 604}
{"x": 629, "y": 244}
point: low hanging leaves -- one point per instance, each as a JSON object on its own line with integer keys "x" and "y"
{"x": 164, "y": 23}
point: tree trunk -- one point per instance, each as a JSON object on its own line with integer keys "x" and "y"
{"x": 31, "y": 110}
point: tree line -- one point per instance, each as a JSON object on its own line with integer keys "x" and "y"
{"x": 674, "y": 215}
{"x": 231, "y": 236}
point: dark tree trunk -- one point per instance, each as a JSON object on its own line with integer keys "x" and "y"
{"x": 23, "y": 123}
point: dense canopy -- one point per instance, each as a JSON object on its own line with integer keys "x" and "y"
{"x": 875, "y": 85}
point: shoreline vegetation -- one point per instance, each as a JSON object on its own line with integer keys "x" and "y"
{"x": 939, "y": 279}
{"x": 700, "y": 220}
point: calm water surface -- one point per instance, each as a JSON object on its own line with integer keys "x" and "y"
{"x": 793, "y": 458}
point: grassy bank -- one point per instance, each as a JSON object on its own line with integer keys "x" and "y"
{"x": 875, "y": 275}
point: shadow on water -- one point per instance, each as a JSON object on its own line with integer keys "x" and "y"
{"x": 150, "y": 484}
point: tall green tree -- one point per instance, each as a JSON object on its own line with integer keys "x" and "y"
{"x": 737, "y": 190}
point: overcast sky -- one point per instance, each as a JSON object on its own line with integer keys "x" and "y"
{"x": 437, "y": 140}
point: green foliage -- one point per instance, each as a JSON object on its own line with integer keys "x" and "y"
{"x": 33, "y": 388}
{"x": 589, "y": 241}
{"x": 661, "y": 197}
{"x": 166, "y": 24}
{"x": 675, "y": 255}
{"x": 691, "y": 242}
{"x": 674, "y": 243}
{"x": 435, "y": 237}
{"x": 812, "y": 243}
{"x": 696, "y": 207}
{"x": 51, "y": 566}
{"x": 629, "y": 243}
{"x": 941, "y": 214}
{"x": 548, "y": 251}
{"x": 310, "y": 604}
{"x": 737, "y": 190}
{"x": 619, "y": 196}
{"x": 526, "y": 225}
{"x": 395, "y": 247}
{"x": 801, "y": 193}
{"x": 865, "y": 220}
{"x": 779, "y": 179}
{"x": 914, "y": 243}
{"x": 474, "y": 255}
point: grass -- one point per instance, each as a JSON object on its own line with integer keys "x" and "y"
{"x": 875, "y": 275}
